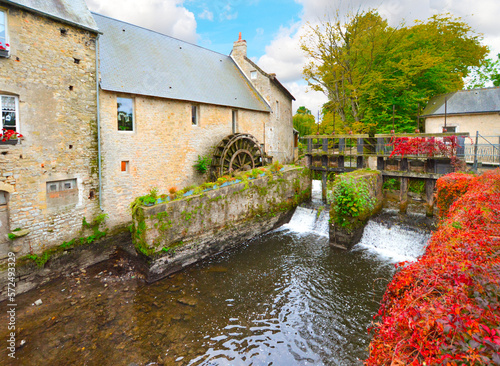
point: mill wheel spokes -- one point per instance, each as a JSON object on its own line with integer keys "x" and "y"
{"x": 241, "y": 160}
{"x": 236, "y": 152}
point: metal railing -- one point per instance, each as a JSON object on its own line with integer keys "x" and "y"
{"x": 422, "y": 145}
{"x": 483, "y": 150}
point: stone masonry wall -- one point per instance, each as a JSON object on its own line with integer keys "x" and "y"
{"x": 53, "y": 75}
{"x": 162, "y": 148}
{"x": 176, "y": 234}
{"x": 279, "y": 126}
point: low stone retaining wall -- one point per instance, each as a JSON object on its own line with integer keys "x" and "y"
{"x": 172, "y": 235}
{"x": 28, "y": 275}
{"x": 361, "y": 198}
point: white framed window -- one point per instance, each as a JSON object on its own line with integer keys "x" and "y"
{"x": 125, "y": 113}
{"x": 195, "y": 115}
{"x": 9, "y": 105}
{"x": 4, "y": 39}
{"x": 253, "y": 75}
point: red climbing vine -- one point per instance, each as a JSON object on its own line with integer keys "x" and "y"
{"x": 444, "y": 309}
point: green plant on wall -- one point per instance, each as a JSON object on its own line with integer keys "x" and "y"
{"x": 202, "y": 164}
{"x": 391, "y": 184}
{"x": 349, "y": 199}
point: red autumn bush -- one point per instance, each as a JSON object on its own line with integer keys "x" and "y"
{"x": 444, "y": 309}
{"x": 449, "y": 188}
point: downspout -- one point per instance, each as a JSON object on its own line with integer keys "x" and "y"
{"x": 98, "y": 75}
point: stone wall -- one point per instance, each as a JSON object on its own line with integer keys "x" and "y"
{"x": 163, "y": 147}
{"x": 175, "y": 234}
{"x": 51, "y": 70}
{"x": 346, "y": 235}
{"x": 279, "y": 127}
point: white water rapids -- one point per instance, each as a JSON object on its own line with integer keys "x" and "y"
{"x": 385, "y": 236}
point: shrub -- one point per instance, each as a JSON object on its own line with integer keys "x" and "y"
{"x": 350, "y": 199}
{"x": 444, "y": 309}
{"x": 202, "y": 164}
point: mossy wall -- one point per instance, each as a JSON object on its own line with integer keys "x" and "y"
{"x": 174, "y": 234}
{"x": 366, "y": 199}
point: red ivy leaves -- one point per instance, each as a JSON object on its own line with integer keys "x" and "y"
{"x": 445, "y": 308}
{"x": 426, "y": 146}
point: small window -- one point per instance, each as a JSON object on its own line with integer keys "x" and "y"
{"x": 277, "y": 110}
{"x": 195, "y": 115}
{"x": 9, "y": 105}
{"x": 124, "y": 166}
{"x": 450, "y": 129}
{"x": 125, "y": 108}
{"x": 4, "y": 41}
{"x": 235, "y": 121}
{"x": 253, "y": 75}
{"x": 62, "y": 193}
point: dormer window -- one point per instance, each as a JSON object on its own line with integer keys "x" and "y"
{"x": 4, "y": 42}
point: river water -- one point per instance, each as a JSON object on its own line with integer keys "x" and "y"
{"x": 285, "y": 298}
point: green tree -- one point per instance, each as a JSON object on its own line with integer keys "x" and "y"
{"x": 488, "y": 72}
{"x": 304, "y": 122}
{"x": 366, "y": 67}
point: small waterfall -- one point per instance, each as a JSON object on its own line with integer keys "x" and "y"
{"x": 312, "y": 219}
{"x": 387, "y": 236}
{"x": 397, "y": 240}
{"x": 309, "y": 221}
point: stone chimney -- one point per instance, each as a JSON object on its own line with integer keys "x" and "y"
{"x": 239, "y": 51}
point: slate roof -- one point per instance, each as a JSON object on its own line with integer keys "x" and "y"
{"x": 74, "y": 12}
{"x": 486, "y": 100}
{"x": 136, "y": 60}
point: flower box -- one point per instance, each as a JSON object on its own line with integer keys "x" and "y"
{"x": 4, "y": 53}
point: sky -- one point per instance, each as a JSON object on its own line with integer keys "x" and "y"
{"x": 273, "y": 28}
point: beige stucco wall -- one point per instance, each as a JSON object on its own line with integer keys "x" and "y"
{"x": 58, "y": 124}
{"x": 162, "y": 148}
{"x": 486, "y": 124}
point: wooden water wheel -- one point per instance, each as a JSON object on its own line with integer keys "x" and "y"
{"x": 236, "y": 152}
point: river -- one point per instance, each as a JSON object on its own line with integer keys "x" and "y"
{"x": 283, "y": 299}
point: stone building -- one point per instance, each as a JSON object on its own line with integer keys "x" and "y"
{"x": 465, "y": 111}
{"x": 164, "y": 102}
{"x": 279, "y": 135}
{"x": 48, "y": 177}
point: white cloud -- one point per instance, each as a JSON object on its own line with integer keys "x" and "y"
{"x": 311, "y": 99}
{"x": 206, "y": 14}
{"x": 165, "y": 16}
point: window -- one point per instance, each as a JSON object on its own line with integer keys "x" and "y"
{"x": 10, "y": 106}
{"x": 253, "y": 75}
{"x": 125, "y": 108}
{"x": 450, "y": 129}
{"x": 4, "y": 42}
{"x": 62, "y": 193}
{"x": 235, "y": 121}
{"x": 195, "y": 115}
{"x": 277, "y": 109}
{"x": 124, "y": 166}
